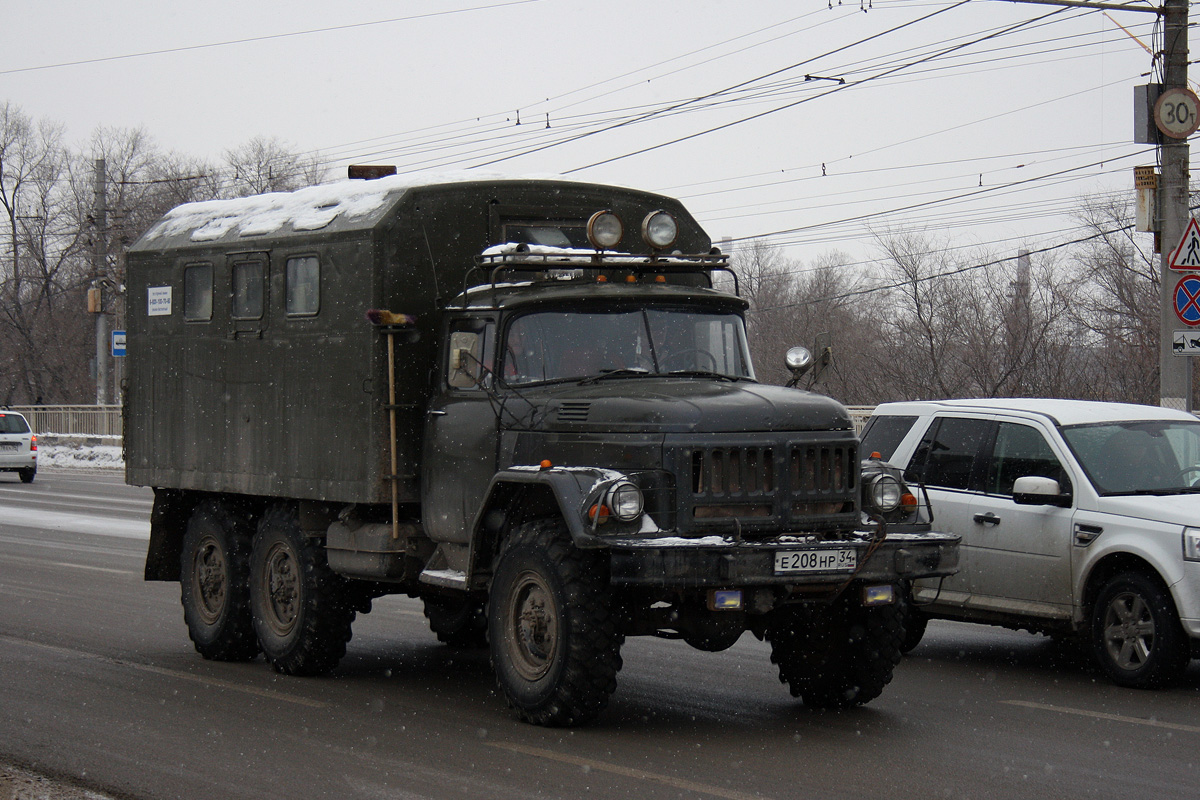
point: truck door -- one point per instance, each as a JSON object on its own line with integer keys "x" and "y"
{"x": 459, "y": 457}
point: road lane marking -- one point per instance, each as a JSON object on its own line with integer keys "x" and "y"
{"x": 627, "y": 772}
{"x": 1154, "y": 723}
{"x": 219, "y": 683}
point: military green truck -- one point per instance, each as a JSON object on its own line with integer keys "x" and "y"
{"x": 522, "y": 401}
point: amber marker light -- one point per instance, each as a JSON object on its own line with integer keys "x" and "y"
{"x": 546, "y": 464}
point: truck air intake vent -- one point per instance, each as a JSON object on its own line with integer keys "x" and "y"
{"x": 573, "y": 411}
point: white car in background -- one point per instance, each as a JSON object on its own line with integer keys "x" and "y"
{"x": 1077, "y": 519}
{"x": 18, "y": 446}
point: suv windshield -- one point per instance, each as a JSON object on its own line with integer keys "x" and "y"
{"x": 1158, "y": 457}
{"x": 559, "y": 345}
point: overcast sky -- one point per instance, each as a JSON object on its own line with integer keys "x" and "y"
{"x": 948, "y": 121}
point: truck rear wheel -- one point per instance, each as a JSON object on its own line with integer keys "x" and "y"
{"x": 302, "y": 613}
{"x": 214, "y": 576}
{"x": 836, "y": 656}
{"x": 554, "y": 641}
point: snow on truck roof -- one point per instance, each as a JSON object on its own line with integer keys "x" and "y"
{"x": 310, "y": 209}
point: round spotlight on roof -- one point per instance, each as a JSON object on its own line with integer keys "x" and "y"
{"x": 659, "y": 229}
{"x": 604, "y": 230}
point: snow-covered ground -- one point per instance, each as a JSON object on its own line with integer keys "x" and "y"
{"x": 76, "y": 452}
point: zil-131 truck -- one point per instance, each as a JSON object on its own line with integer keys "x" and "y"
{"x": 521, "y": 401}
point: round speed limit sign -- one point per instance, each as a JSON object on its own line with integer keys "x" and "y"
{"x": 1177, "y": 113}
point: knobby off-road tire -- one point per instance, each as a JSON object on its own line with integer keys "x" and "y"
{"x": 214, "y": 576}
{"x": 457, "y": 621}
{"x": 1136, "y": 635}
{"x": 839, "y": 655}
{"x": 915, "y": 622}
{"x": 554, "y": 641}
{"x": 302, "y": 611}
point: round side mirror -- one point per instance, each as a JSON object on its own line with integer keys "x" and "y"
{"x": 799, "y": 360}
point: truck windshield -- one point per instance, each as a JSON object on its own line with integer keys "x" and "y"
{"x": 557, "y": 345}
{"x": 1157, "y": 457}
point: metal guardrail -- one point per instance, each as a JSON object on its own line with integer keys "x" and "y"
{"x": 73, "y": 420}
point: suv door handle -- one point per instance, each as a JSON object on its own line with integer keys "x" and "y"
{"x": 436, "y": 412}
{"x": 987, "y": 519}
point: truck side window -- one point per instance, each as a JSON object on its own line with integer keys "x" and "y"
{"x": 303, "y": 286}
{"x": 247, "y": 290}
{"x": 1021, "y": 451}
{"x": 946, "y": 456}
{"x": 466, "y": 359}
{"x": 197, "y": 292}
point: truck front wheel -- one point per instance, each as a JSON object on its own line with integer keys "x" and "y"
{"x": 214, "y": 577}
{"x": 302, "y": 613}
{"x": 554, "y": 642}
{"x": 839, "y": 655}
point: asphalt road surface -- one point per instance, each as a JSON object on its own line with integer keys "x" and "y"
{"x": 99, "y": 686}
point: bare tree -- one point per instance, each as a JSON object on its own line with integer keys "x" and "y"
{"x": 269, "y": 165}
{"x": 1117, "y": 309}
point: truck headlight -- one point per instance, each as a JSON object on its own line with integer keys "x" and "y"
{"x": 604, "y": 230}
{"x": 625, "y": 501}
{"x": 884, "y": 493}
{"x": 1191, "y": 544}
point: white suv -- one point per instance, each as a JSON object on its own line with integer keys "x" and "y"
{"x": 18, "y": 446}
{"x": 1076, "y": 518}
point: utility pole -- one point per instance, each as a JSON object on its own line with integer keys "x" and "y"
{"x": 1175, "y": 374}
{"x": 99, "y": 273}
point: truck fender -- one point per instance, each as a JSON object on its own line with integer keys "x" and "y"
{"x": 519, "y": 494}
{"x": 168, "y": 523}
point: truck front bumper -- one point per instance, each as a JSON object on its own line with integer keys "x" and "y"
{"x": 722, "y": 562}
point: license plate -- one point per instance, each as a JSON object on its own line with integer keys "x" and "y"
{"x": 841, "y": 559}
{"x": 8, "y": 445}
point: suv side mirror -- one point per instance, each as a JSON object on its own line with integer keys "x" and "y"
{"x": 1035, "y": 490}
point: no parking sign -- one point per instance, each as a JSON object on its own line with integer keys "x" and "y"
{"x": 1187, "y": 299}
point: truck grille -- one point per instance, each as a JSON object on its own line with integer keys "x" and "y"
{"x": 798, "y": 485}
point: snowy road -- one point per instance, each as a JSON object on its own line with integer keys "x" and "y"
{"x": 99, "y": 682}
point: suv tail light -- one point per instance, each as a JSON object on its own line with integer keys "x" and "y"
{"x": 33, "y": 443}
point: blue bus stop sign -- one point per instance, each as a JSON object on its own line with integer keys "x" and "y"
{"x": 118, "y": 343}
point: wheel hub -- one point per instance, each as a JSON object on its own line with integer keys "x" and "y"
{"x": 283, "y": 590}
{"x": 534, "y": 627}
{"x": 1128, "y": 631}
{"x": 209, "y": 580}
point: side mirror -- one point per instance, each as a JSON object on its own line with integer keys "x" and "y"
{"x": 799, "y": 360}
{"x": 1034, "y": 490}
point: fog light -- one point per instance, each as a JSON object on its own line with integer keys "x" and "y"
{"x": 725, "y": 600}
{"x": 659, "y": 230}
{"x": 883, "y": 595}
{"x": 604, "y": 230}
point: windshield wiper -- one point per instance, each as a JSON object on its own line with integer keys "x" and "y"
{"x": 704, "y": 373}
{"x": 621, "y": 372}
{"x": 1155, "y": 492}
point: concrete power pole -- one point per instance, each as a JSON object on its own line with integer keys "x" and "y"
{"x": 99, "y": 272}
{"x": 1175, "y": 379}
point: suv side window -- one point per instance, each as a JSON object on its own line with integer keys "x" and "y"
{"x": 948, "y": 453}
{"x": 883, "y": 435}
{"x": 1021, "y": 451}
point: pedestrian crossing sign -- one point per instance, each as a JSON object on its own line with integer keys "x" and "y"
{"x": 1186, "y": 257}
